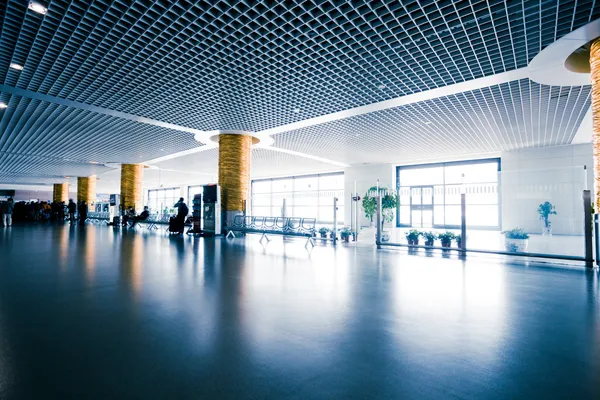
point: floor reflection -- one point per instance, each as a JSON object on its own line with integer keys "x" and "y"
{"x": 216, "y": 318}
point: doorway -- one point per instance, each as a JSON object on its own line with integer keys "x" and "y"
{"x": 421, "y": 206}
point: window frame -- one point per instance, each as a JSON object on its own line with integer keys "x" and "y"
{"x": 496, "y": 160}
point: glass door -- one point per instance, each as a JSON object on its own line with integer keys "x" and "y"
{"x": 421, "y": 206}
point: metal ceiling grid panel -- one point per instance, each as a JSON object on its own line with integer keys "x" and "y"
{"x": 505, "y": 117}
{"x": 35, "y": 128}
{"x": 256, "y": 65}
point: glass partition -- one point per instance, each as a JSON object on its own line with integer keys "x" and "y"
{"x": 308, "y": 196}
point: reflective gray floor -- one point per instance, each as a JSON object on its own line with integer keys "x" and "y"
{"x": 96, "y": 313}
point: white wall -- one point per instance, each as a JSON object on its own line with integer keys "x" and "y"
{"x": 555, "y": 174}
{"x": 365, "y": 177}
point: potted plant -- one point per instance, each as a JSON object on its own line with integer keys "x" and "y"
{"x": 516, "y": 240}
{"x": 446, "y": 238}
{"x": 389, "y": 202}
{"x": 458, "y": 239}
{"x": 545, "y": 210}
{"x": 412, "y": 237}
{"x": 429, "y": 238}
{"x": 345, "y": 234}
{"x": 323, "y": 232}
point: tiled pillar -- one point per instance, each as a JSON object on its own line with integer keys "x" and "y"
{"x": 60, "y": 192}
{"x": 235, "y": 152}
{"x": 86, "y": 189}
{"x": 132, "y": 176}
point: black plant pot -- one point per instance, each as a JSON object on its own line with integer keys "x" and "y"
{"x": 429, "y": 243}
{"x": 324, "y": 235}
{"x": 446, "y": 244}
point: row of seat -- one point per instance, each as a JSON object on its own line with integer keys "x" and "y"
{"x": 288, "y": 226}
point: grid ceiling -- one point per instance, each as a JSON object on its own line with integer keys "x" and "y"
{"x": 505, "y": 117}
{"x": 262, "y": 64}
{"x": 249, "y": 65}
{"x": 265, "y": 163}
{"x": 41, "y": 138}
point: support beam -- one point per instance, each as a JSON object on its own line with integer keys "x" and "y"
{"x": 86, "y": 189}
{"x": 235, "y": 153}
{"x": 60, "y": 192}
{"x": 132, "y": 176}
{"x": 595, "y": 78}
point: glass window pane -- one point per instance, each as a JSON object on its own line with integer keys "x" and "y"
{"x": 330, "y": 182}
{"x": 306, "y": 184}
{"x": 261, "y": 200}
{"x": 421, "y": 176}
{"x": 261, "y": 186}
{"x": 282, "y": 185}
{"x": 405, "y": 215}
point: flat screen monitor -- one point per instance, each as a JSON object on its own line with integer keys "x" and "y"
{"x": 210, "y": 194}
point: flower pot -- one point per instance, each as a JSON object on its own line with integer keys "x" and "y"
{"x": 546, "y": 231}
{"x": 446, "y": 244}
{"x": 346, "y": 238}
{"x": 516, "y": 245}
{"x": 324, "y": 235}
{"x": 385, "y": 236}
{"x": 429, "y": 243}
{"x": 413, "y": 242}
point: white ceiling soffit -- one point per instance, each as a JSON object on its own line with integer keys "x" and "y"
{"x": 405, "y": 100}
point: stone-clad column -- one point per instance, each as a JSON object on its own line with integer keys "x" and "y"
{"x": 60, "y": 192}
{"x": 131, "y": 186}
{"x": 235, "y": 152}
{"x": 595, "y": 77}
{"x": 86, "y": 189}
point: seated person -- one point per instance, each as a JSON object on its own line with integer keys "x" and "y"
{"x": 128, "y": 215}
{"x": 142, "y": 217}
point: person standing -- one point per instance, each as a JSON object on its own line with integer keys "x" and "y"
{"x": 72, "y": 210}
{"x": 7, "y": 211}
{"x": 83, "y": 211}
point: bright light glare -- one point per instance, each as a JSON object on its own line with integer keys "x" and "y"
{"x": 16, "y": 66}
{"x": 37, "y": 7}
{"x": 3, "y": 105}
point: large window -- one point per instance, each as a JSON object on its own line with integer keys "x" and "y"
{"x": 299, "y": 196}
{"x": 161, "y": 201}
{"x": 429, "y": 195}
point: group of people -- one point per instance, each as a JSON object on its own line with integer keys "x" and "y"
{"x": 176, "y": 224}
{"x": 58, "y": 211}
{"x": 22, "y": 211}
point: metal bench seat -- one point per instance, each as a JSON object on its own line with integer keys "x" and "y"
{"x": 284, "y": 226}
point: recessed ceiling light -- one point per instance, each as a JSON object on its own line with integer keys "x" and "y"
{"x": 428, "y": 122}
{"x": 94, "y": 162}
{"x": 37, "y": 7}
{"x": 3, "y": 105}
{"x": 382, "y": 86}
{"x": 297, "y": 110}
{"x": 16, "y": 66}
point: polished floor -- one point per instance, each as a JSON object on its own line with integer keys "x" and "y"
{"x": 96, "y": 313}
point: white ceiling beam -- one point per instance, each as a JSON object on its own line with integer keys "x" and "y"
{"x": 466, "y": 86}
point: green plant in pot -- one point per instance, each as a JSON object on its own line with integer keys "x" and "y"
{"x": 323, "y": 232}
{"x": 429, "y": 238}
{"x": 516, "y": 240}
{"x": 345, "y": 234}
{"x": 446, "y": 238}
{"x": 458, "y": 239}
{"x": 389, "y": 202}
{"x": 412, "y": 237}
{"x": 545, "y": 210}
